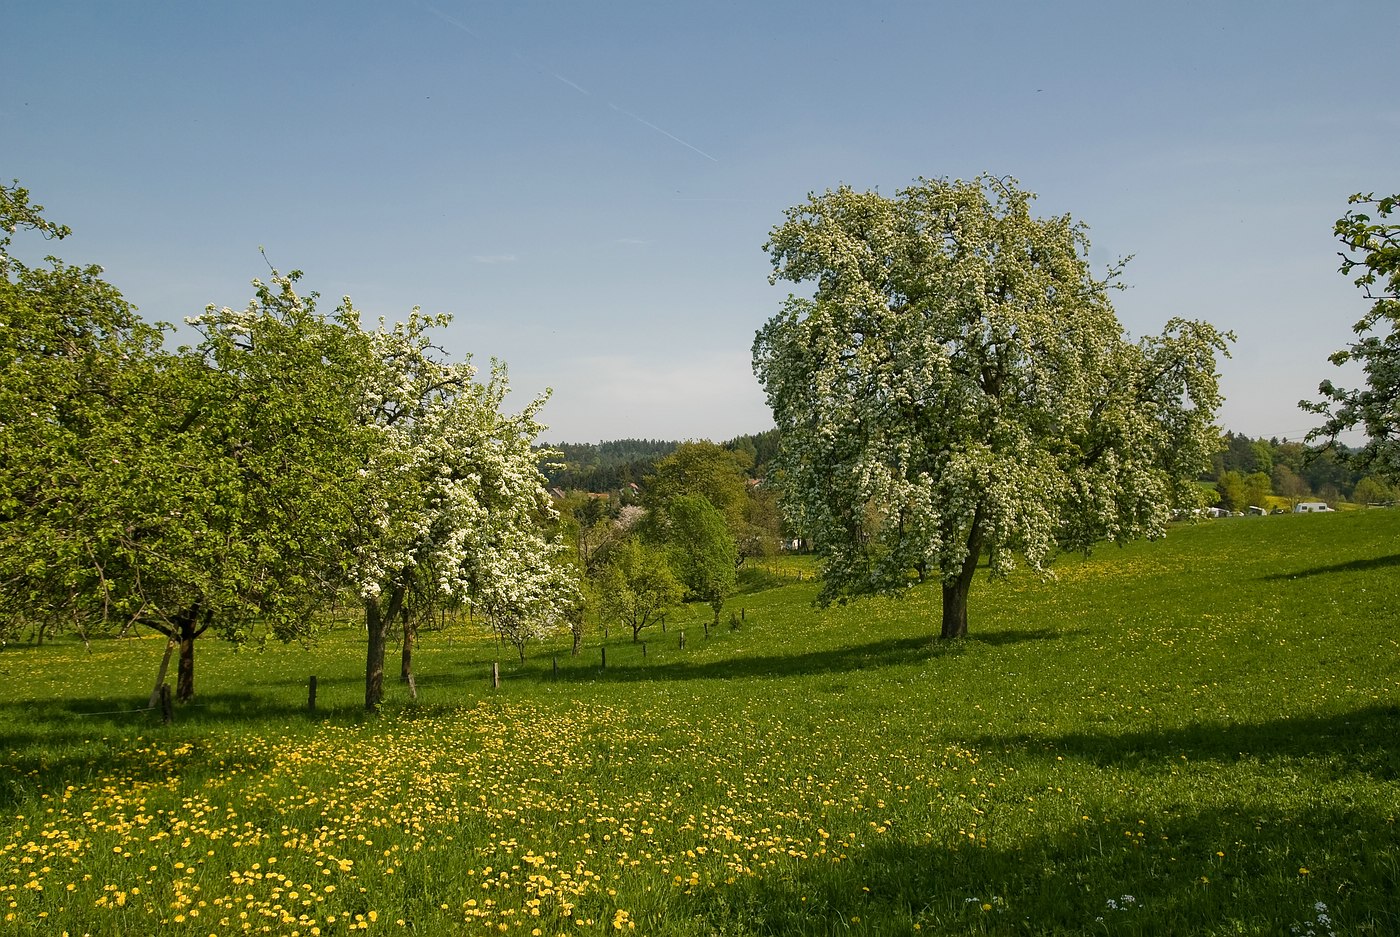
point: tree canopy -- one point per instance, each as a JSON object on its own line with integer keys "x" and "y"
{"x": 958, "y": 384}
{"x": 238, "y": 483}
{"x": 75, "y": 359}
{"x": 703, "y": 552}
{"x": 1371, "y": 250}
{"x": 638, "y": 586}
{"x": 183, "y": 491}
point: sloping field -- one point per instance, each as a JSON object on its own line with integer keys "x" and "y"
{"x": 1196, "y": 736}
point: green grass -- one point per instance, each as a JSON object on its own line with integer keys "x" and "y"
{"x": 1207, "y": 724}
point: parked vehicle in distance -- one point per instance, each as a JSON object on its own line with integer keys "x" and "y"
{"x": 1310, "y": 507}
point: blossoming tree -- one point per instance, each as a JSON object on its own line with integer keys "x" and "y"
{"x": 958, "y": 385}
{"x": 453, "y": 500}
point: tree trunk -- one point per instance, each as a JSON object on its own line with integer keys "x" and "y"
{"x": 185, "y": 632}
{"x": 164, "y": 669}
{"x": 374, "y": 657}
{"x": 955, "y": 608}
{"x": 955, "y": 592}
{"x": 377, "y": 622}
{"x": 406, "y": 659}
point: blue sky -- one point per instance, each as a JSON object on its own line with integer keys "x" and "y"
{"x": 586, "y": 187}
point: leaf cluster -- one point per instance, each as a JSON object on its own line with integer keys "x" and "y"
{"x": 1371, "y": 255}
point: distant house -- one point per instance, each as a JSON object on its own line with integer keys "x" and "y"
{"x": 1310, "y": 507}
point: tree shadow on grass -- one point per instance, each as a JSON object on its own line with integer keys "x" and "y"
{"x": 48, "y": 745}
{"x": 1365, "y": 740}
{"x": 1237, "y": 870}
{"x": 891, "y": 652}
{"x": 1353, "y": 566}
{"x": 63, "y": 749}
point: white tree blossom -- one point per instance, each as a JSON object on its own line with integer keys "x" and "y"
{"x": 959, "y": 385}
{"x": 453, "y": 501}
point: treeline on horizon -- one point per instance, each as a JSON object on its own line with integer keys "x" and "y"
{"x": 1247, "y": 470}
{"x": 1244, "y": 470}
{"x": 616, "y": 464}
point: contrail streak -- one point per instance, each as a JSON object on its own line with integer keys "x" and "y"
{"x": 672, "y": 136}
{"x": 453, "y": 21}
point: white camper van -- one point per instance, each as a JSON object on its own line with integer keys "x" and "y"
{"x": 1310, "y": 507}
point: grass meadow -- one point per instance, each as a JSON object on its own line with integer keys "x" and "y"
{"x": 1194, "y": 736}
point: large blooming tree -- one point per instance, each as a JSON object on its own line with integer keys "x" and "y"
{"x": 959, "y": 386}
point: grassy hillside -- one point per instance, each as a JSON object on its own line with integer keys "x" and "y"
{"x": 1196, "y": 736}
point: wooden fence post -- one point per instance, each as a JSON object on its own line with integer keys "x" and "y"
{"x": 167, "y": 706}
{"x": 311, "y": 695}
{"x": 644, "y": 650}
{"x": 605, "y": 657}
{"x": 682, "y": 640}
{"x": 556, "y": 667}
{"x": 495, "y": 674}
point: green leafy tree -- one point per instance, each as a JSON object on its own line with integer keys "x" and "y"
{"x": 763, "y": 526}
{"x": 720, "y": 475}
{"x": 1291, "y": 455}
{"x": 1373, "y": 490}
{"x": 638, "y": 586}
{"x": 1371, "y": 251}
{"x": 702, "y": 550}
{"x": 1240, "y": 454}
{"x": 959, "y": 385}
{"x": 701, "y": 468}
{"x": 1234, "y": 493}
{"x": 74, "y": 366}
{"x": 1287, "y": 484}
{"x": 182, "y": 492}
{"x": 238, "y": 521}
{"x": 1329, "y": 468}
{"x": 1257, "y": 488}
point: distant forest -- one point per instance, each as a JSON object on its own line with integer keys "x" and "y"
{"x": 610, "y": 466}
{"x": 1271, "y": 466}
{"x": 1290, "y": 470}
